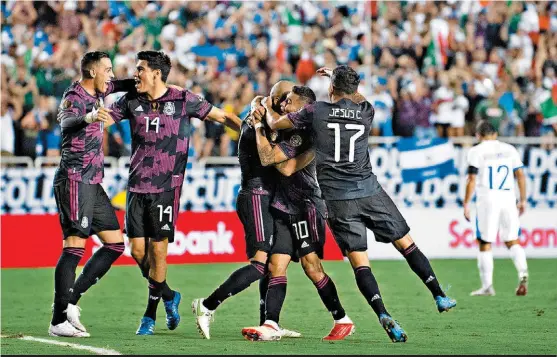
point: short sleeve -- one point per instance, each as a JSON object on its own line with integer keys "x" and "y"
{"x": 473, "y": 158}
{"x": 302, "y": 118}
{"x": 119, "y": 109}
{"x": 516, "y": 161}
{"x": 196, "y": 106}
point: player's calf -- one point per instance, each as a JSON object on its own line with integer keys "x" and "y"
{"x": 64, "y": 277}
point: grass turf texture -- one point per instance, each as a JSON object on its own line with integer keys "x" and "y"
{"x": 503, "y": 324}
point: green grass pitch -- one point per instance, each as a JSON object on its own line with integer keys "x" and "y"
{"x": 503, "y": 324}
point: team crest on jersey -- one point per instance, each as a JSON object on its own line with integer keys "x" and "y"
{"x": 274, "y": 135}
{"x": 84, "y": 222}
{"x": 296, "y": 140}
{"x": 169, "y": 108}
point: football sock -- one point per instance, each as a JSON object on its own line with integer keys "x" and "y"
{"x": 237, "y": 282}
{"x": 420, "y": 265}
{"x": 95, "y": 268}
{"x": 263, "y": 287}
{"x": 369, "y": 289}
{"x": 64, "y": 278}
{"x": 328, "y": 294}
{"x": 167, "y": 292}
{"x": 275, "y": 298}
{"x": 519, "y": 259}
{"x": 155, "y": 293}
{"x": 485, "y": 264}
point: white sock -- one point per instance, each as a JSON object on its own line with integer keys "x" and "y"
{"x": 272, "y": 323}
{"x": 344, "y": 320}
{"x": 519, "y": 259}
{"x": 485, "y": 264}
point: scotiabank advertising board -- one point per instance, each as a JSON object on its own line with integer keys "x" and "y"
{"x": 208, "y": 237}
{"x": 445, "y": 233}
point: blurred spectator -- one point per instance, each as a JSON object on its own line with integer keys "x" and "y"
{"x": 228, "y": 51}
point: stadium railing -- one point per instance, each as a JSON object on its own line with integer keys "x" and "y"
{"x": 25, "y": 161}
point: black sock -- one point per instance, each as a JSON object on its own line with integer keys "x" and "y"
{"x": 369, "y": 289}
{"x": 155, "y": 292}
{"x": 95, "y": 268}
{"x": 64, "y": 278}
{"x": 263, "y": 287}
{"x": 275, "y": 298}
{"x": 237, "y": 282}
{"x": 167, "y": 292}
{"x": 420, "y": 265}
{"x": 328, "y": 294}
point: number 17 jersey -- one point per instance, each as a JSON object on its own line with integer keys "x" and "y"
{"x": 340, "y": 134}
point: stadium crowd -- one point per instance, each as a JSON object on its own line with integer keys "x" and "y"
{"x": 428, "y": 67}
{"x": 226, "y": 51}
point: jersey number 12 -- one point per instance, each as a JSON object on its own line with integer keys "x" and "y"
{"x": 336, "y": 127}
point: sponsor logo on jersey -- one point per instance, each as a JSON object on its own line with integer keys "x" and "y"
{"x": 84, "y": 222}
{"x": 169, "y": 108}
{"x": 296, "y": 140}
{"x": 139, "y": 109}
{"x": 305, "y": 244}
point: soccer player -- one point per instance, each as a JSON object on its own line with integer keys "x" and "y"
{"x": 355, "y": 200}
{"x": 253, "y": 207}
{"x": 84, "y": 207}
{"x": 490, "y": 164}
{"x": 299, "y": 226}
{"x": 160, "y": 122}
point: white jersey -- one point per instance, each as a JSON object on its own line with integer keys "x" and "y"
{"x": 496, "y": 162}
{"x": 495, "y": 190}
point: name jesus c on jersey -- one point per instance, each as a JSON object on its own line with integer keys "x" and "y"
{"x": 345, "y": 113}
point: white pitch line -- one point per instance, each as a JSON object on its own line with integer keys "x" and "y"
{"x": 96, "y": 350}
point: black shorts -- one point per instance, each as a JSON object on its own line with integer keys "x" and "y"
{"x": 299, "y": 235}
{"x": 348, "y": 220}
{"x": 84, "y": 209}
{"x": 254, "y": 211}
{"x": 152, "y": 215}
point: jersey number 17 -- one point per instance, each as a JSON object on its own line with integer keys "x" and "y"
{"x": 336, "y": 127}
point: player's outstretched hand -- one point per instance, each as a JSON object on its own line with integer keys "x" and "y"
{"x": 266, "y": 102}
{"x": 467, "y": 212}
{"x": 521, "y": 207}
{"x": 103, "y": 115}
{"x": 325, "y": 72}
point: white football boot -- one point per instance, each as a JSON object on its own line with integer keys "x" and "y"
{"x": 73, "y": 312}
{"x": 489, "y": 291}
{"x": 289, "y": 333}
{"x": 203, "y": 317}
{"x": 269, "y": 331}
{"x": 66, "y": 329}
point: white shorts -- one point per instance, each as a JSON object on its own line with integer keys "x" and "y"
{"x": 497, "y": 216}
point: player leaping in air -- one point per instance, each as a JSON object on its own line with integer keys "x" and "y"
{"x": 355, "y": 200}
{"x": 253, "y": 206}
{"x": 83, "y": 205}
{"x": 160, "y": 119}
{"x": 299, "y": 213}
{"x": 491, "y": 167}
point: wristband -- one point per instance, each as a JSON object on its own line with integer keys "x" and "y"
{"x": 258, "y": 125}
{"x": 89, "y": 118}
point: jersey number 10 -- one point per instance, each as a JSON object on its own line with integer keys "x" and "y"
{"x": 336, "y": 127}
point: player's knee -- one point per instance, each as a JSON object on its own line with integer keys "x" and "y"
{"x": 484, "y": 246}
{"x": 138, "y": 252}
{"x": 277, "y": 267}
{"x": 403, "y": 243}
{"x": 509, "y": 244}
{"x": 312, "y": 267}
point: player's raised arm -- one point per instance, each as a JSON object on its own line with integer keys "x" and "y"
{"x": 290, "y": 167}
{"x": 118, "y": 110}
{"x": 274, "y": 119}
{"x": 231, "y": 120}
{"x": 121, "y": 85}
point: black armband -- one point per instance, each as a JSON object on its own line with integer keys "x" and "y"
{"x": 472, "y": 170}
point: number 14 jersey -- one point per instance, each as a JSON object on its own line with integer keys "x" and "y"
{"x": 160, "y": 137}
{"x": 340, "y": 137}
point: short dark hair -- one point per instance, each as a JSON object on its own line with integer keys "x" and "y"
{"x": 89, "y": 59}
{"x": 485, "y": 128}
{"x": 346, "y": 80}
{"x": 157, "y": 60}
{"x": 305, "y": 92}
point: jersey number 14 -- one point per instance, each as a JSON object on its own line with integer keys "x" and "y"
{"x": 336, "y": 127}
